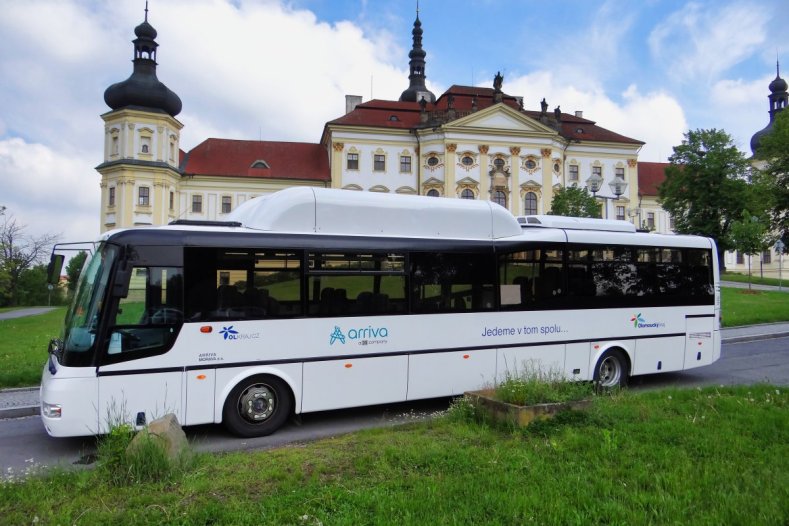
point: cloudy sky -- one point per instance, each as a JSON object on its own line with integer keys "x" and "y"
{"x": 278, "y": 70}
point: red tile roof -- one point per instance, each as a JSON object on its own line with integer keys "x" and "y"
{"x": 650, "y": 176}
{"x": 404, "y": 115}
{"x": 233, "y": 158}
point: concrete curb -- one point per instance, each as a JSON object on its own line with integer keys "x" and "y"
{"x": 755, "y": 337}
{"x": 19, "y": 402}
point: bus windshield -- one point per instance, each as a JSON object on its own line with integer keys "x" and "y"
{"x": 82, "y": 318}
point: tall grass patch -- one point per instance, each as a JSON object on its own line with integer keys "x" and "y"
{"x": 532, "y": 385}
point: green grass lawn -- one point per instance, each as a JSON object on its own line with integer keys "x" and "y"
{"x": 744, "y": 307}
{"x": 712, "y": 456}
{"x": 755, "y": 279}
{"x": 23, "y": 346}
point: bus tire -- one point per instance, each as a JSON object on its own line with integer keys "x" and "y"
{"x": 612, "y": 370}
{"x": 257, "y": 406}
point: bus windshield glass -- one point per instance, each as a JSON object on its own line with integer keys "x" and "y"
{"x": 82, "y": 318}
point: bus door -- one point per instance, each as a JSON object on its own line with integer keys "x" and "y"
{"x": 138, "y": 380}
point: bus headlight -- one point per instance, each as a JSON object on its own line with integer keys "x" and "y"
{"x": 51, "y": 410}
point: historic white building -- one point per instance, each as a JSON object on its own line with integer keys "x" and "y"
{"x": 470, "y": 142}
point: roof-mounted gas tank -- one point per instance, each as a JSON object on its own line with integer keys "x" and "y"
{"x": 346, "y": 212}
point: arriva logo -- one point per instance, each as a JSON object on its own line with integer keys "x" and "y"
{"x": 640, "y": 323}
{"x": 368, "y": 335}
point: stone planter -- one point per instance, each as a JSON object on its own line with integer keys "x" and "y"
{"x": 518, "y": 415}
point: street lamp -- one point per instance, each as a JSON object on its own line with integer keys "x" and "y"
{"x": 594, "y": 183}
{"x": 618, "y": 187}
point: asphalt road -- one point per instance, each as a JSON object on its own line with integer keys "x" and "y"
{"x": 25, "y": 446}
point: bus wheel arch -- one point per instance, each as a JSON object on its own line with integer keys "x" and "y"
{"x": 612, "y": 369}
{"x": 257, "y": 406}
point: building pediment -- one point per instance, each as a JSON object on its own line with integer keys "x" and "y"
{"x": 531, "y": 183}
{"x": 433, "y": 181}
{"x": 501, "y": 117}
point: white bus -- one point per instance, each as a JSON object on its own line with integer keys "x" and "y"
{"x": 315, "y": 299}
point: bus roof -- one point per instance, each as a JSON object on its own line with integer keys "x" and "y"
{"x": 347, "y": 212}
{"x": 576, "y": 223}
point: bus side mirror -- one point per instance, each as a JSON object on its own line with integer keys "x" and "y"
{"x": 54, "y": 268}
{"x": 120, "y": 285}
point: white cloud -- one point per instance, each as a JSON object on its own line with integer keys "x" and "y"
{"x": 49, "y": 191}
{"x": 654, "y": 117}
{"x": 699, "y": 43}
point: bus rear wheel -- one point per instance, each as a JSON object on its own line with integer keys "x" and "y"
{"x": 257, "y": 407}
{"x": 612, "y": 370}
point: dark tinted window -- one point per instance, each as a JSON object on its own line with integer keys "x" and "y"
{"x": 352, "y": 284}
{"x": 242, "y": 284}
{"x": 451, "y": 282}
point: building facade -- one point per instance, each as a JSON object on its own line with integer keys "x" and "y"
{"x": 467, "y": 143}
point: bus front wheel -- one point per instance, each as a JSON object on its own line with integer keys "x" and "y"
{"x": 612, "y": 370}
{"x": 257, "y": 407}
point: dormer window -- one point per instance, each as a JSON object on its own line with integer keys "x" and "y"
{"x": 393, "y": 118}
{"x": 260, "y": 164}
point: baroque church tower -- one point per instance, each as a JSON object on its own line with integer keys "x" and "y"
{"x": 140, "y": 172}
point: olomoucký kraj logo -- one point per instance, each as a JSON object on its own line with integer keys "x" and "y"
{"x": 640, "y": 323}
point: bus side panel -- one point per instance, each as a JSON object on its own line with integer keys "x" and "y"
{"x": 700, "y": 344}
{"x": 576, "y": 361}
{"x": 518, "y": 361}
{"x": 354, "y": 382}
{"x": 450, "y": 373}
{"x": 153, "y": 394}
{"x": 200, "y": 389}
{"x": 655, "y": 355}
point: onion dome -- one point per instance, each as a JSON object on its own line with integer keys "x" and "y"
{"x": 417, "y": 89}
{"x": 779, "y": 99}
{"x": 142, "y": 89}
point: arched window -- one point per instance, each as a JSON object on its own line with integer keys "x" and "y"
{"x": 530, "y": 204}
{"x": 433, "y": 193}
{"x": 498, "y": 163}
{"x": 500, "y": 198}
{"x": 467, "y": 194}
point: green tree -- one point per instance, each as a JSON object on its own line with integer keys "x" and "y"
{"x": 706, "y": 186}
{"x": 32, "y": 288}
{"x": 19, "y": 251}
{"x": 73, "y": 269}
{"x": 749, "y": 234}
{"x": 574, "y": 202}
{"x": 774, "y": 151}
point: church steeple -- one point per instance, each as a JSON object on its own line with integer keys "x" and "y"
{"x": 143, "y": 89}
{"x": 417, "y": 89}
{"x": 779, "y": 99}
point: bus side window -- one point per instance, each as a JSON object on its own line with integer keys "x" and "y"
{"x": 149, "y": 317}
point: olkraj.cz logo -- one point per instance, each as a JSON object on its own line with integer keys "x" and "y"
{"x": 229, "y": 333}
{"x": 640, "y": 323}
{"x": 362, "y": 336}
